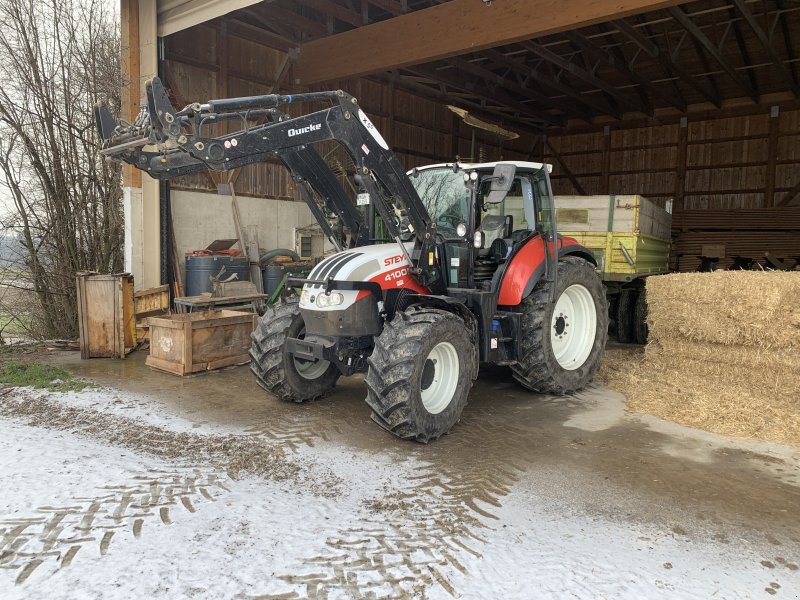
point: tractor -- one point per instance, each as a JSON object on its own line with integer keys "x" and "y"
{"x": 438, "y": 270}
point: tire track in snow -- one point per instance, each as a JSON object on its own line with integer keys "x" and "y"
{"x": 423, "y": 526}
{"x": 57, "y": 534}
{"x": 60, "y": 533}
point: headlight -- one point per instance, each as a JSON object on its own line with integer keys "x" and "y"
{"x": 474, "y": 176}
{"x": 305, "y": 297}
{"x": 333, "y": 299}
{"x": 461, "y": 230}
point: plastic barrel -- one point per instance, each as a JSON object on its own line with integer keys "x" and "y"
{"x": 272, "y": 276}
{"x": 200, "y": 269}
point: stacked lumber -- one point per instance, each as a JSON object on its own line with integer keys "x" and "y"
{"x": 743, "y": 232}
{"x": 724, "y": 353}
{"x": 750, "y": 219}
{"x": 688, "y": 246}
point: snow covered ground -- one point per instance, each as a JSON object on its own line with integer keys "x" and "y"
{"x": 103, "y": 495}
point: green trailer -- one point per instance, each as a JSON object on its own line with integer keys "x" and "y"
{"x": 630, "y": 236}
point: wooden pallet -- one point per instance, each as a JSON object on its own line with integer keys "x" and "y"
{"x": 202, "y": 341}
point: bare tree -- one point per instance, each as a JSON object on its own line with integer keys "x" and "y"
{"x": 58, "y": 58}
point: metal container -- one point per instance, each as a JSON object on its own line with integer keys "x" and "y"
{"x": 200, "y": 270}
{"x": 272, "y": 276}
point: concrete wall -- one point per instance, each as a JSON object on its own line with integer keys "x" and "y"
{"x": 199, "y": 218}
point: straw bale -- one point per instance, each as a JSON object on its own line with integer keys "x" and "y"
{"x": 724, "y": 354}
{"x": 709, "y": 395}
{"x": 732, "y": 308}
{"x": 682, "y": 354}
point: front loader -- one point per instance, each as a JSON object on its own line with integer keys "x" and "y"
{"x": 438, "y": 270}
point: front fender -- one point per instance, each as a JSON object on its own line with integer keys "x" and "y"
{"x": 527, "y": 265}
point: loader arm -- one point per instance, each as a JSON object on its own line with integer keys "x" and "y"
{"x": 167, "y": 143}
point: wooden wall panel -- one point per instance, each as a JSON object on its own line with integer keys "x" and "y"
{"x": 203, "y": 63}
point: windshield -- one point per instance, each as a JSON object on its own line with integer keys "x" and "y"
{"x": 444, "y": 195}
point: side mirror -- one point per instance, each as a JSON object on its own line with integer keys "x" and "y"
{"x": 502, "y": 180}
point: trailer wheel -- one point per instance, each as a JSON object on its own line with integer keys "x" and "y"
{"x": 624, "y": 317}
{"x": 640, "y": 329}
{"x": 420, "y": 373}
{"x": 277, "y": 371}
{"x": 562, "y": 343}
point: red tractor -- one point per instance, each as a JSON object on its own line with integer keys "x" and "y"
{"x": 437, "y": 271}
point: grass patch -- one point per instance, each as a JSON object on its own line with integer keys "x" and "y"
{"x": 15, "y": 326}
{"x": 23, "y": 374}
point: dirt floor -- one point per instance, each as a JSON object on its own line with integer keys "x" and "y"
{"x": 156, "y": 486}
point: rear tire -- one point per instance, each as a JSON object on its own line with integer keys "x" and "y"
{"x": 624, "y": 317}
{"x": 640, "y": 329}
{"x": 562, "y": 342}
{"x": 420, "y": 373}
{"x": 279, "y": 372}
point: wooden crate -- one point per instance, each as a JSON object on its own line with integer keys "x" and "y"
{"x": 200, "y": 341}
{"x": 106, "y": 320}
{"x": 148, "y": 303}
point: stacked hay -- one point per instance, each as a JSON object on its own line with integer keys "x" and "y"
{"x": 724, "y": 353}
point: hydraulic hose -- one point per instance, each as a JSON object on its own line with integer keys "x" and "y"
{"x": 279, "y": 252}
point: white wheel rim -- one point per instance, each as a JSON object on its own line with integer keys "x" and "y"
{"x": 574, "y": 327}
{"x": 439, "y": 377}
{"x": 309, "y": 369}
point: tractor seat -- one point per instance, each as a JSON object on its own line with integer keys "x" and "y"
{"x": 495, "y": 227}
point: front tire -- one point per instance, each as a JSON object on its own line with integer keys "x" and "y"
{"x": 420, "y": 373}
{"x": 562, "y": 342}
{"x": 277, "y": 371}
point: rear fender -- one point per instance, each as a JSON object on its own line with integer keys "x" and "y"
{"x": 527, "y": 266}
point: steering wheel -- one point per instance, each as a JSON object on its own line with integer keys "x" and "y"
{"x": 450, "y": 221}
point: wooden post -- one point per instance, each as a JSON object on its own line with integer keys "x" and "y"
{"x": 390, "y": 124}
{"x": 574, "y": 180}
{"x": 680, "y": 166}
{"x": 605, "y": 183}
{"x": 131, "y": 94}
{"x": 772, "y": 156}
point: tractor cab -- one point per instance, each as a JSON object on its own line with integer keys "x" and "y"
{"x": 483, "y": 213}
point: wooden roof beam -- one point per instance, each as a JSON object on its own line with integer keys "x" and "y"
{"x": 585, "y": 76}
{"x": 616, "y": 47}
{"x": 526, "y": 92}
{"x": 584, "y": 100}
{"x": 289, "y": 19}
{"x": 446, "y": 30}
{"x": 654, "y": 52}
{"x": 701, "y": 56}
{"x": 475, "y": 108}
{"x": 412, "y": 85}
{"x": 743, "y": 51}
{"x": 787, "y": 38}
{"x": 617, "y": 61}
{"x": 765, "y": 43}
{"x": 390, "y": 6}
{"x": 478, "y": 87}
{"x": 337, "y": 11}
{"x": 690, "y": 26}
{"x": 253, "y": 33}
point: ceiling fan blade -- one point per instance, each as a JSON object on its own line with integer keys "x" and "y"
{"x": 481, "y": 124}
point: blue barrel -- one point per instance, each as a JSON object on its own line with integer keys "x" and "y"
{"x": 272, "y": 276}
{"x": 200, "y": 269}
